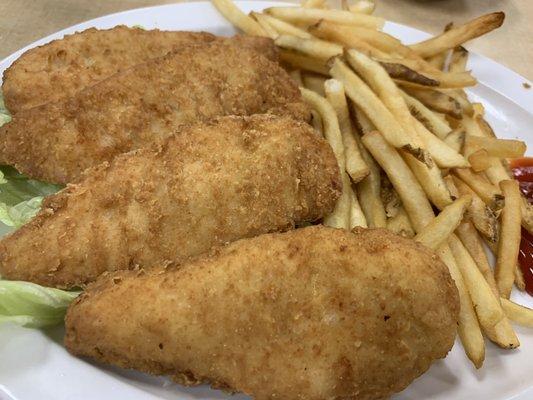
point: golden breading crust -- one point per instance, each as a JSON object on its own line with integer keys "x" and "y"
{"x": 57, "y": 141}
{"x": 312, "y": 314}
{"x": 63, "y": 67}
{"x": 210, "y": 184}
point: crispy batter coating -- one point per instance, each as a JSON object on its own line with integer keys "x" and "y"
{"x": 210, "y": 184}
{"x": 63, "y": 67}
{"x": 311, "y": 314}
{"x": 57, "y": 141}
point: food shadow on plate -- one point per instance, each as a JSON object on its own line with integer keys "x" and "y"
{"x": 441, "y": 379}
{"x": 163, "y": 387}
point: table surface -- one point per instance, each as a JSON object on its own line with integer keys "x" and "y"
{"x": 24, "y": 21}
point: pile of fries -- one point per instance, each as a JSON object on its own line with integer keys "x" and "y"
{"x": 409, "y": 142}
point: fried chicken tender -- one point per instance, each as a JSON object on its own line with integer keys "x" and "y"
{"x": 311, "y": 314}
{"x": 63, "y": 67}
{"x": 209, "y": 184}
{"x": 57, "y": 141}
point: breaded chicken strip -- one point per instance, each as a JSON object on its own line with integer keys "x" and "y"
{"x": 57, "y": 141}
{"x": 312, "y": 314}
{"x": 210, "y": 184}
{"x": 63, "y": 67}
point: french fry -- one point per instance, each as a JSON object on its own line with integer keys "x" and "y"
{"x": 458, "y": 60}
{"x": 357, "y": 217}
{"x": 340, "y": 217}
{"x": 316, "y": 121}
{"x": 239, "y": 19}
{"x": 303, "y": 62}
{"x": 455, "y": 139}
{"x": 401, "y": 224}
{"x": 481, "y": 215}
{"x": 443, "y": 225}
{"x": 312, "y": 16}
{"x": 436, "y": 101}
{"x": 446, "y": 79}
{"x": 369, "y": 188}
{"x": 480, "y": 160}
{"x": 313, "y": 3}
{"x": 261, "y": 20}
{"x": 468, "y": 327}
{"x": 430, "y": 178}
{"x": 411, "y": 193}
{"x": 438, "y": 60}
{"x": 364, "y": 124}
{"x": 403, "y": 73}
{"x": 378, "y": 79}
{"x": 444, "y": 156}
{"x": 510, "y": 236}
{"x": 503, "y": 334}
{"x": 501, "y": 148}
{"x": 517, "y": 313}
{"x": 345, "y": 34}
{"x": 389, "y": 197}
{"x": 468, "y": 235}
{"x": 485, "y": 190}
{"x": 519, "y": 278}
{"x": 341, "y": 214}
{"x": 362, "y": 6}
{"x": 460, "y": 97}
{"x": 459, "y": 35}
{"x": 487, "y": 306}
{"x": 332, "y": 131}
{"x": 282, "y": 27}
{"x": 355, "y": 165}
{"x": 364, "y": 98}
{"x": 315, "y": 83}
{"x": 296, "y": 75}
{"x": 310, "y": 47}
{"x": 427, "y": 117}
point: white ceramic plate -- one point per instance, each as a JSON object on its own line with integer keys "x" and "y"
{"x": 34, "y": 364}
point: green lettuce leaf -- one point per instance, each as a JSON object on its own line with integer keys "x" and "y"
{"x": 21, "y": 197}
{"x": 31, "y": 305}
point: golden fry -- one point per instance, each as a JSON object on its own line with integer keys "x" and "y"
{"x": 468, "y": 329}
{"x": 314, "y": 82}
{"x": 459, "y": 35}
{"x": 282, "y": 27}
{"x": 428, "y": 118}
{"x": 401, "y": 224}
{"x": 501, "y": 148}
{"x": 510, "y": 237}
{"x": 310, "y": 47}
{"x": 355, "y": 165}
{"x": 312, "y": 16}
{"x": 364, "y": 98}
{"x": 487, "y": 306}
{"x": 436, "y": 101}
{"x": 411, "y": 193}
{"x": 486, "y": 191}
{"x": 517, "y": 313}
{"x": 303, "y": 62}
{"x": 455, "y": 139}
{"x": 239, "y": 19}
{"x": 443, "y": 225}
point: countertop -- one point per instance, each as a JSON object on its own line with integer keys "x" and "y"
{"x": 24, "y": 21}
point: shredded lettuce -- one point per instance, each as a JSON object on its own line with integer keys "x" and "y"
{"x": 21, "y": 197}
{"x": 31, "y": 305}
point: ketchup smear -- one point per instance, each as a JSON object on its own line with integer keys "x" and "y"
{"x": 523, "y": 172}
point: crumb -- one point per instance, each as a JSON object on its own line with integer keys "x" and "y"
{"x": 526, "y": 85}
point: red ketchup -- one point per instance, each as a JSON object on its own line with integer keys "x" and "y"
{"x": 523, "y": 172}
